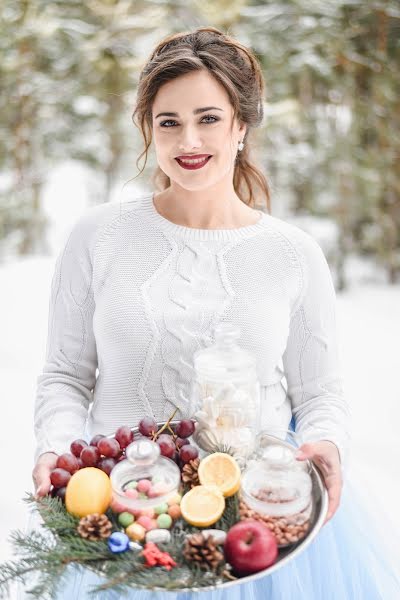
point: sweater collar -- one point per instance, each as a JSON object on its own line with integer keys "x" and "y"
{"x": 200, "y": 234}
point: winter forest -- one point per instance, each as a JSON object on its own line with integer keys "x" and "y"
{"x": 329, "y": 146}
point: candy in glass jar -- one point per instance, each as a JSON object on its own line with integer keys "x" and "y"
{"x": 145, "y": 479}
{"x": 225, "y": 395}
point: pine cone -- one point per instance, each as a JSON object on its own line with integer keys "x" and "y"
{"x": 95, "y": 527}
{"x": 189, "y": 473}
{"x": 203, "y": 551}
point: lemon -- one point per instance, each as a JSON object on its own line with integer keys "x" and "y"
{"x": 222, "y": 470}
{"x": 88, "y": 491}
{"x": 203, "y": 505}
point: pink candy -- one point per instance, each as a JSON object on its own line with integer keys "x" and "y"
{"x": 117, "y": 506}
{"x": 132, "y": 494}
{"x": 143, "y": 486}
{"x": 147, "y": 522}
{"x": 159, "y": 489}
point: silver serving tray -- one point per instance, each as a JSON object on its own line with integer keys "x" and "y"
{"x": 286, "y": 554}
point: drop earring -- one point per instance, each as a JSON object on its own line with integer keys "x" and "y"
{"x": 240, "y": 146}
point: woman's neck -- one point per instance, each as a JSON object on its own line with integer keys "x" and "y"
{"x": 192, "y": 209}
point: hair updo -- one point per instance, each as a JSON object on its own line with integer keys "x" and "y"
{"x": 235, "y": 67}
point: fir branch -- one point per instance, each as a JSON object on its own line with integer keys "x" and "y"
{"x": 55, "y": 517}
{"x": 225, "y": 449}
{"x": 231, "y": 514}
{"x": 49, "y": 551}
{"x": 35, "y": 556}
{"x": 37, "y": 542}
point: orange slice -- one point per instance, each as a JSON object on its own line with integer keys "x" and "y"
{"x": 222, "y": 470}
{"x": 202, "y": 506}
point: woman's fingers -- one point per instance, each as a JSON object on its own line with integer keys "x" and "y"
{"x": 333, "y": 484}
{"x": 326, "y": 456}
{"x": 41, "y": 479}
{"x": 41, "y": 473}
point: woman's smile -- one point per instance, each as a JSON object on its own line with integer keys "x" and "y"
{"x": 193, "y": 163}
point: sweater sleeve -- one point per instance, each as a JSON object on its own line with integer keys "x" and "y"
{"x": 311, "y": 359}
{"x": 65, "y": 387}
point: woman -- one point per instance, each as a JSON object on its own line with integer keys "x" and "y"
{"x": 140, "y": 286}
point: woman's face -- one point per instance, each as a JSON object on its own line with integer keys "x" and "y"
{"x": 196, "y": 134}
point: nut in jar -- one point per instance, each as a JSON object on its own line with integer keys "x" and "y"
{"x": 287, "y": 530}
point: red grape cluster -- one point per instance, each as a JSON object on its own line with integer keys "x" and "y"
{"x": 101, "y": 452}
{"x": 104, "y": 452}
{"x": 175, "y": 444}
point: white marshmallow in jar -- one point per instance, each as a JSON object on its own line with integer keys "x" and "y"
{"x": 225, "y": 395}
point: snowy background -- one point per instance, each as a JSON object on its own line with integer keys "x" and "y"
{"x": 369, "y": 334}
{"x": 328, "y": 145}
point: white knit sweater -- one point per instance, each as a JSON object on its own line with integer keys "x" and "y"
{"x": 134, "y": 296}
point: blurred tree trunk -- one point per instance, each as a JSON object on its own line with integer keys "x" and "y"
{"x": 389, "y": 213}
{"x": 27, "y": 184}
{"x": 113, "y": 85}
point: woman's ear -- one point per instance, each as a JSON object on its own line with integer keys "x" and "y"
{"x": 242, "y": 129}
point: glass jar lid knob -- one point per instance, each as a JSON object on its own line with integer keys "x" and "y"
{"x": 143, "y": 452}
{"x": 277, "y": 457}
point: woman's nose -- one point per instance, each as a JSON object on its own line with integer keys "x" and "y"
{"x": 189, "y": 139}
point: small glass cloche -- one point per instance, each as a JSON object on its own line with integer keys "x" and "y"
{"x": 144, "y": 479}
{"x": 278, "y": 489}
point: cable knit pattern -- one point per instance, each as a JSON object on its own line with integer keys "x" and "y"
{"x": 134, "y": 296}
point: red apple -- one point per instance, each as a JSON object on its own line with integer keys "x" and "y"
{"x": 250, "y": 547}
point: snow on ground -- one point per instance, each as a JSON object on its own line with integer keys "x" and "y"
{"x": 369, "y": 332}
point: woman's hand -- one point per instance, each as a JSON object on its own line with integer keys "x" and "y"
{"x": 41, "y": 473}
{"x": 326, "y": 456}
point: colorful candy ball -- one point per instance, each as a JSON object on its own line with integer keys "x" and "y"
{"x": 159, "y": 489}
{"x": 147, "y": 512}
{"x": 147, "y": 523}
{"x": 144, "y": 485}
{"x": 161, "y": 508}
{"x": 132, "y": 485}
{"x": 164, "y": 521}
{"x": 132, "y": 493}
{"x": 174, "y": 511}
{"x": 125, "y": 519}
{"x": 136, "y": 532}
{"x": 175, "y": 499}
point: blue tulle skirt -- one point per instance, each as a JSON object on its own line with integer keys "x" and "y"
{"x": 354, "y": 557}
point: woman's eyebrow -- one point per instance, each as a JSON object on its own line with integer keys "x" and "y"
{"x": 195, "y": 112}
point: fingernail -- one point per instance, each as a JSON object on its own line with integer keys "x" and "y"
{"x": 300, "y": 454}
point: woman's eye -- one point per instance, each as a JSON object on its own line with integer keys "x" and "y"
{"x": 215, "y": 119}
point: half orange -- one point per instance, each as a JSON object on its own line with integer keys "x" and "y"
{"x": 222, "y": 470}
{"x": 202, "y": 506}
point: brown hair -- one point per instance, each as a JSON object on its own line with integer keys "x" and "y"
{"x": 235, "y": 67}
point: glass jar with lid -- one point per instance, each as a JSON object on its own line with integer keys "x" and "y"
{"x": 277, "y": 489}
{"x": 225, "y": 395}
{"x": 144, "y": 479}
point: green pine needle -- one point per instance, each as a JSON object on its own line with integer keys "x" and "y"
{"x": 46, "y": 553}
